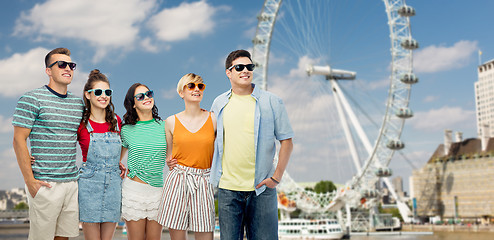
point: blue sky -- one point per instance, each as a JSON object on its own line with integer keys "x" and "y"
{"x": 155, "y": 42}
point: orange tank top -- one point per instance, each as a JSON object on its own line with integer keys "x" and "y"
{"x": 194, "y": 149}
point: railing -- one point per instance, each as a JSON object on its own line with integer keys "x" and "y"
{"x": 9, "y": 214}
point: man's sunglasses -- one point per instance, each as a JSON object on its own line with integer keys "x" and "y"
{"x": 141, "y": 96}
{"x": 192, "y": 86}
{"x": 240, "y": 67}
{"x": 98, "y": 92}
{"x": 63, "y": 65}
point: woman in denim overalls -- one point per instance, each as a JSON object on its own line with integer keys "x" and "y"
{"x": 100, "y": 181}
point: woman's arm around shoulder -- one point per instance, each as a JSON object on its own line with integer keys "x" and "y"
{"x": 169, "y": 127}
{"x": 213, "y": 118}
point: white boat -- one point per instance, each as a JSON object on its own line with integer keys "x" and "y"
{"x": 309, "y": 229}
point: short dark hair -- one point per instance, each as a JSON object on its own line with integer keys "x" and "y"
{"x": 234, "y": 55}
{"x": 64, "y": 51}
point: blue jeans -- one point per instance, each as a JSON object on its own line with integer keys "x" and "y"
{"x": 258, "y": 214}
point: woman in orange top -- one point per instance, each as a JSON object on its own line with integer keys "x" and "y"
{"x": 188, "y": 201}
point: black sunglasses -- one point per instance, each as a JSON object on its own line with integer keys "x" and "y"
{"x": 240, "y": 67}
{"x": 141, "y": 96}
{"x": 98, "y": 92}
{"x": 63, "y": 65}
{"x": 192, "y": 86}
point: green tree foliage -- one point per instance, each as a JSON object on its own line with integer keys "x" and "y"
{"x": 216, "y": 207}
{"x": 393, "y": 211}
{"x": 324, "y": 187}
{"x": 21, "y": 206}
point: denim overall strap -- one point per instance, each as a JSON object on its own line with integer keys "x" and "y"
{"x": 88, "y": 127}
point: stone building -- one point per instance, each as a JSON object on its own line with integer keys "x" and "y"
{"x": 9, "y": 199}
{"x": 457, "y": 182}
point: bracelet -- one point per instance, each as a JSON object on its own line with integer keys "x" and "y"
{"x": 274, "y": 180}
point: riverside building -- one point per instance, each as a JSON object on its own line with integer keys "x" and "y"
{"x": 457, "y": 183}
{"x": 484, "y": 99}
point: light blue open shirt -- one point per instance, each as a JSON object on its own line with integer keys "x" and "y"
{"x": 271, "y": 123}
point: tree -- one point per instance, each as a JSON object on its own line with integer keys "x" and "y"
{"x": 324, "y": 187}
{"x": 21, "y": 206}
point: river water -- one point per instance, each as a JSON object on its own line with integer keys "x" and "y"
{"x": 18, "y": 233}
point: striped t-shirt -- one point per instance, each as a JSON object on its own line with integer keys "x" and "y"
{"x": 53, "y": 120}
{"x": 146, "y": 143}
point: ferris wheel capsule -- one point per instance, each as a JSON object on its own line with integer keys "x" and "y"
{"x": 404, "y": 113}
{"x": 406, "y": 11}
{"x": 409, "y": 78}
{"x": 369, "y": 193}
{"x": 409, "y": 44}
{"x": 384, "y": 172}
{"x": 258, "y": 40}
{"x": 395, "y": 144}
{"x": 265, "y": 17}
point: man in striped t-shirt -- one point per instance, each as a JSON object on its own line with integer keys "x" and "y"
{"x": 49, "y": 116}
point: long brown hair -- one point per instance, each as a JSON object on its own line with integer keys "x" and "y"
{"x": 94, "y": 77}
{"x": 131, "y": 117}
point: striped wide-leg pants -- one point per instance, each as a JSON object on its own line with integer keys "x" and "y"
{"x": 187, "y": 202}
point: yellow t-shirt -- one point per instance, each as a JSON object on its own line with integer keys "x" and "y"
{"x": 239, "y": 154}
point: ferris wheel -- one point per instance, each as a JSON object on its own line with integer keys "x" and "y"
{"x": 307, "y": 39}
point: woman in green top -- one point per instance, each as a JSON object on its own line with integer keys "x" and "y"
{"x": 143, "y": 136}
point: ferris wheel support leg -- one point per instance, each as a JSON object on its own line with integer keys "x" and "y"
{"x": 373, "y": 211}
{"x": 405, "y": 211}
{"x": 348, "y": 218}
{"x": 353, "y": 118}
{"x": 346, "y": 128}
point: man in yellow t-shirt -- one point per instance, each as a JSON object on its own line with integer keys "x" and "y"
{"x": 249, "y": 122}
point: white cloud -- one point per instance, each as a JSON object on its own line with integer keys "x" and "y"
{"x": 441, "y": 58}
{"x": 148, "y": 45}
{"x": 430, "y": 99}
{"x": 22, "y": 72}
{"x": 6, "y": 124}
{"x": 11, "y": 176}
{"x": 443, "y": 118}
{"x": 320, "y": 152}
{"x": 9, "y": 154}
{"x": 169, "y": 93}
{"x": 248, "y": 33}
{"x": 381, "y": 84}
{"x": 108, "y": 24}
{"x": 181, "y": 22}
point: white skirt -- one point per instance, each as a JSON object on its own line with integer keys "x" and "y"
{"x": 140, "y": 200}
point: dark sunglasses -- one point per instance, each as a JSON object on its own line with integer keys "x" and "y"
{"x": 192, "y": 86}
{"x": 240, "y": 67}
{"x": 63, "y": 65}
{"x": 141, "y": 96}
{"x": 98, "y": 92}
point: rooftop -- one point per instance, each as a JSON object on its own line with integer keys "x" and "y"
{"x": 467, "y": 149}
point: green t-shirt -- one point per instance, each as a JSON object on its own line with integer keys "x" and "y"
{"x": 146, "y": 143}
